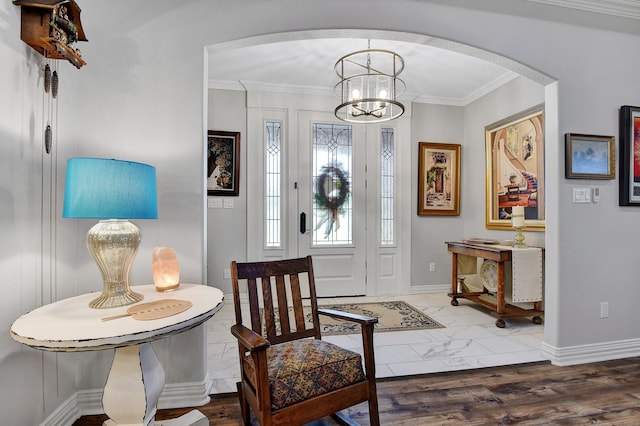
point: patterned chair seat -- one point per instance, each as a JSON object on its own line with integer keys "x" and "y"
{"x": 305, "y": 368}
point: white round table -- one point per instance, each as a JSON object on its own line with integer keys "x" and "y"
{"x": 136, "y": 378}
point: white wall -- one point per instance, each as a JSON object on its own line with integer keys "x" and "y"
{"x": 141, "y": 97}
{"x": 442, "y": 124}
{"x": 28, "y": 198}
{"x": 227, "y": 228}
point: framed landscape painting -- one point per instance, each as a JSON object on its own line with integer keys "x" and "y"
{"x": 515, "y": 169}
{"x": 590, "y": 156}
{"x": 223, "y": 163}
{"x": 439, "y": 179}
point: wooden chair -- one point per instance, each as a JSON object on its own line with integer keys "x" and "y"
{"x": 289, "y": 376}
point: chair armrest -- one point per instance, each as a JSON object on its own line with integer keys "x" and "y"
{"x": 366, "y": 326}
{"x": 249, "y": 338}
{"x": 348, "y": 316}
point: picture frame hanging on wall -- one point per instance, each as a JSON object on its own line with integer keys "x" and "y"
{"x": 514, "y": 175}
{"x": 223, "y": 163}
{"x": 589, "y": 156}
{"x": 439, "y": 179}
{"x": 629, "y": 184}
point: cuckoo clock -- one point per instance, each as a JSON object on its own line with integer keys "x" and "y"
{"x": 52, "y": 27}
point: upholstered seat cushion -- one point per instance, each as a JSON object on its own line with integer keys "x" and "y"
{"x": 306, "y": 368}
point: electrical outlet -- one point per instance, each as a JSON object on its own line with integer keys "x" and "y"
{"x": 604, "y": 309}
{"x": 226, "y": 273}
{"x": 432, "y": 267}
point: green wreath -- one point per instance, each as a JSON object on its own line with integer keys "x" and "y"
{"x": 339, "y": 180}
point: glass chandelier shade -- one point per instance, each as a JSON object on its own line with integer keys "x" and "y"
{"x": 112, "y": 191}
{"x": 369, "y": 86}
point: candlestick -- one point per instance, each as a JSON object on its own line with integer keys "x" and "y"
{"x": 517, "y": 221}
{"x": 517, "y": 216}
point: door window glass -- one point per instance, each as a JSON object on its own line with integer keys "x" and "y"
{"x": 332, "y": 198}
{"x": 273, "y": 173}
{"x": 387, "y": 188}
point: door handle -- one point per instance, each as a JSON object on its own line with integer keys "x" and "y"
{"x": 303, "y": 222}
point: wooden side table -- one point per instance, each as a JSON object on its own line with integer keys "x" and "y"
{"x": 136, "y": 378}
{"x": 500, "y": 308}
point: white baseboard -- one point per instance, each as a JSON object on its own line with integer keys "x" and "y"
{"x": 185, "y": 394}
{"x": 89, "y": 402}
{"x": 582, "y": 354}
{"x": 430, "y": 289}
{"x": 65, "y": 414}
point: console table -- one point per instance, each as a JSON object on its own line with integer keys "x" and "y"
{"x": 136, "y": 378}
{"x": 497, "y": 303}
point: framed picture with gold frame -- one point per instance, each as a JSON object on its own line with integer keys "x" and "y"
{"x": 439, "y": 179}
{"x": 589, "y": 156}
{"x": 515, "y": 169}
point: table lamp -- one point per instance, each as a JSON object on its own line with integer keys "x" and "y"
{"x": 112, "y": 191}
{"x": 517, "y": 221}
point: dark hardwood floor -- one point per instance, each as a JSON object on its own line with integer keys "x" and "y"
{"x": 603, "y": 393}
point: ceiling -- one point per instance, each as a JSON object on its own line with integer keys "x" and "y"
{"x": 431, "y": 74}
{"x": 436, "y": 71}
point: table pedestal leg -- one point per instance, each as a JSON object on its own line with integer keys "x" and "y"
{"x": 133, "y": 388}
{"x": 134, "y": 385}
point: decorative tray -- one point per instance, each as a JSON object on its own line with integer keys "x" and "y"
{"x": 480, "y": 241}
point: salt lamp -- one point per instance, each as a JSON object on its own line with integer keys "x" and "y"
{"x": 165, "y": 269}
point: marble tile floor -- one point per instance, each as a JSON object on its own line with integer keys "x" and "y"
{"x": 470, "y": 340}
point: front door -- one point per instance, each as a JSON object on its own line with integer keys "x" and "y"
{"x": 322, "y": 187}
{"x": 332, "y": 203}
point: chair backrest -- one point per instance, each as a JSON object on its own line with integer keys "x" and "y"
{"x": 275, "y": 291}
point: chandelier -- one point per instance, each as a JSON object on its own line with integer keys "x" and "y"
{"x": 369, "y": 86}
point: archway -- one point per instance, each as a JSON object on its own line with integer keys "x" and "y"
{"x": 551, "y": 107}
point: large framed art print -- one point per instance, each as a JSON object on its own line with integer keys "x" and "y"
{"x": 629, "y": 156}
{"x": 515, "y": 169}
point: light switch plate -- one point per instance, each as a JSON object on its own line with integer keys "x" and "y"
{"x": 214, "y": 203}
{"x": 228, "y": 203}
{"x": 581, "y": 195}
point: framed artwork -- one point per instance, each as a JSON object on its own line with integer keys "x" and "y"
{"x": 589, "y": 156}
{"x": 439, "y": 179}
{"x": 515, "y": 169}
{"x": 629, "y": 156}
{"x": 223, "y": 163}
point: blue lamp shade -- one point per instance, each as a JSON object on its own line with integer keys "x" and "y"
{"x": 100, "y": 188}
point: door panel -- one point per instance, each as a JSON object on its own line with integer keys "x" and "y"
{"x": 331, "y": 158}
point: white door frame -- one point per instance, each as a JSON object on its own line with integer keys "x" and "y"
{"x": 388, "y": 268}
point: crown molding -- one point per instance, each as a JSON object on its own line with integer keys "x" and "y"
{"x": 621, "y": 8}
{"x": 487, "y": 88}
{"x": 246, "y": 86}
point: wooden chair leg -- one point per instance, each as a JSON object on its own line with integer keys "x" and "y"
{"x": 374, "y": 416}
{"x": 244, "y": 406}
{"x": 343, "y": 420}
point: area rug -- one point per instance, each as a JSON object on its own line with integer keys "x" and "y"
{"x": 392, "y": 316}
